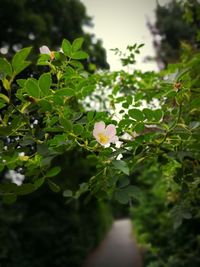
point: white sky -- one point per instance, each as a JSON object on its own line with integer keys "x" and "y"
{"x": 123, "y": 22}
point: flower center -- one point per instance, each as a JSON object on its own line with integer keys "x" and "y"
{"x": 103, "y": 139}
{"x": 52, "y": 55}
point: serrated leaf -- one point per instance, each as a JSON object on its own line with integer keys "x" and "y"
{"x": 122, "y": 166}
{"x": 77, "y": 44}
{"x": 53, "y": 172}
{"x": 45, "y": 82}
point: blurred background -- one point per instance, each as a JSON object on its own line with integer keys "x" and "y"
{"x": 42, "y": 229}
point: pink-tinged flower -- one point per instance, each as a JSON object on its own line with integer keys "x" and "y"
{"x": 45, "y": 50}
{"x": 105, "y": 135}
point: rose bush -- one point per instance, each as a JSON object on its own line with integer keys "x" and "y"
{"x": 155, "y": 116}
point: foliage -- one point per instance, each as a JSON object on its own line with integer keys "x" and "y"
{"x": 35, "y": 23}
{"x": 43, "y": 231}
{"x": 177, "y": 24}
{"x": 154, "y": 115}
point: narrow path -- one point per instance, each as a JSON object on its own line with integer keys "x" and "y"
{"x": 118, "y": 249}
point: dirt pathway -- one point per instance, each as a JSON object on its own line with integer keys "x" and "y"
{"x": 118, "y": 249}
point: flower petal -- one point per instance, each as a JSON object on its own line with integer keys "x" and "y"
{"x": 44, "y": 50}
{"x": 98, "y": 128}
{"x": 110, "y": 130}
{"x": 114, "y": 139}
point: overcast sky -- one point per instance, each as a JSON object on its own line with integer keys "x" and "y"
{"x": 123, "y": 22}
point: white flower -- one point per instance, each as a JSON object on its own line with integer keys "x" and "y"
{"x": 45, "y": 50}
{"x": 15, "y": 177}
{"x": 105, "y": 135}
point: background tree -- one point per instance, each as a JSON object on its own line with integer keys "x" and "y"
{"x": 35, "y": 23}
{"x": 176, "y": 22}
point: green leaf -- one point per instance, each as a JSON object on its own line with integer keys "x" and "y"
{"x": 83, "y": 188}
{"x": 90, "y": 115}
{"x": 87, "y": 90}
{"x": 5, "y": 67}
{"x": 66, "y": 47}
{"x": 43, "y": 60}
{"x": 79, "y": 55}
{"x": 77, "y": 44}
{"x": 45, "y": 82}
{"x": 158, "y": 114}
{"x": 39, "y": 182}
{"x": 65, "y": 92}
{"x": 67, "y": 124}
{"x": 121, "y": 196}
{"x": 67, "y": 193}
{"x": 53, "y": 172}
{"x": 123, "y": 181}
{"x": 32, "y": 88}
{"x": 54, "y": 187}
{"x": 136, "y": 114}
{"x": 139, "y": 127}
{"x": 2, "y": 104}
{"x": 5, "y": 98}
{"x": 126, "y": 122}
{"x": 133, "y": 191}
{"x": 76, "y": 64}
{"x": 25, "y": 189}
{"x": 129, "y": 99}
{"x": 6, "y": 84}
{"x": 21, "y": 82}
{"x": 148, "y": 113}
{"x": 78, "y": 129}
{"x": 45, "y": 105}
{"x": 122, "y": 166}
{"x": 18, "y": 61}
{"x": 8, "y": 188}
